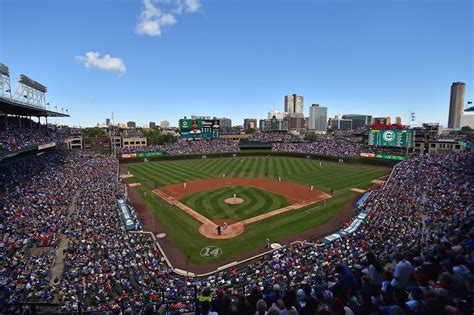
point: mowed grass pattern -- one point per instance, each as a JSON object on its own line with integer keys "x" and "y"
{"x": 329, "y": 175}
{"x": 183, "y": 229}
{"x": 211, "y": 204}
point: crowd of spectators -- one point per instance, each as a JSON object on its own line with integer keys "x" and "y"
{"x": 413, "y": 255}
{"x": 456, "y": 137}
{"x": 13, "y": 137}
{"x": 33, "y": 203}
{"x": 73, "y": 196}
{"x": 190, "y": 147}
{"x": 327, "y": 146}
{"x": 275, "y": 136}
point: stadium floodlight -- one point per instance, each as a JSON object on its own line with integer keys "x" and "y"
{"x": 32, "y": 83}
{"x": 4, "y": 70}
{"x": 30, "y": 92}
{"x": 5, "y": 84}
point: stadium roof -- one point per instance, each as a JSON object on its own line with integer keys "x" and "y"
{"x": 14, "y": 107}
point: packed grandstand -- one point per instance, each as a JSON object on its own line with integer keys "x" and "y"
{"x": 413, "y": 253}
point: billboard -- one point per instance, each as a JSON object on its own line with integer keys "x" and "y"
{"x": 384, "y": 156}
{"x": 129, "y": 155}
{"x": 148, "y": 154}
{"x": 391, "y": 138}
{"x": 197, "y": 129}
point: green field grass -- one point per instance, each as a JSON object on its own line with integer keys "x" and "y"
{"x": 183, "y": 229}
{"x": 256, "y": 201}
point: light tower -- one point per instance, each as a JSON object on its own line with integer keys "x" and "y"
{"x": 30, "y": 92}
{"x": 5, "y": 84}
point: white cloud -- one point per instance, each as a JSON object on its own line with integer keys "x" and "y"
{"x": 93, "y": 60}
{"x": 192, "y": 5}
{"x": 158, "y": 14}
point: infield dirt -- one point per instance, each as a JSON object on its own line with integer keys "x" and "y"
{"x": 298, "y": 196}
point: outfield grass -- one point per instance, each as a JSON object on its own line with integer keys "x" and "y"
{"x": 256, "y": 201}
{"x": 183, "y": 229}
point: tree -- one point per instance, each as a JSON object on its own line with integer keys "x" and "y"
{"x": 466, "y": 130}
{"x": 310, "y": 136}
{"x": 93, "y": 133}
{"x": 156, "y": 137}
{"x": 166, "y": 138}
{"x": 250, "y": 131}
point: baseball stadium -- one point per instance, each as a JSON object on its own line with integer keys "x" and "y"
{"x": 144, "y": 198}
{"x": 179, "y": 227}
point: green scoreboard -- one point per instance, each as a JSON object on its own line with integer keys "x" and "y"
{"x": 397, "y": 138}
{"x": 197, "y": 129}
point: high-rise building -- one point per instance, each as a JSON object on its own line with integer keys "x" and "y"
{"x": 388, "y": 120}
{"x": 225, "y": 123}
{"x": 250, "y": 123}
{"x": 318, "y": 118}
{"x": 277, "y": 114}
{"x": 456, "y": 103}
{"x": 380, "y": 120}
{"x": 294, "y": 105}
{"x": 274, "y": 124}
{"x": 358, "y": 120}
{"x": 152, "y": 125}
{"x": 165, "y": 125}
{"x": 339, "y": 123}
{"x": 295, "y": 122}
{"x": 398, "y": 120}
{"x": 107, "y": 122}
{"x": 466, "y": 119}
{"x": 131, "y": 124}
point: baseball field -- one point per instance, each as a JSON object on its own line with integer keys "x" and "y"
{"x": 273, "y": 199}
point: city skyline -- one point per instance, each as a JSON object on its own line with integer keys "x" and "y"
{"x": 125, "y": 59}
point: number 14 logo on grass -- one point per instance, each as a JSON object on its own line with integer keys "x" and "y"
{"x": 211, "y": 251}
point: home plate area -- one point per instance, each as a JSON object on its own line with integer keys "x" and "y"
{"x": 298, "y": 196}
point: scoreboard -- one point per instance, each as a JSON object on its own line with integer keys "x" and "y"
{"x": 197, "y": 129}
{"x": 397, "y": 138}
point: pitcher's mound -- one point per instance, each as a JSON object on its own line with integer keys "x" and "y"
{"x": 234, "y": 201}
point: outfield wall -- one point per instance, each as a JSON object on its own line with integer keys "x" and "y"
{"x": 351, "y": 160}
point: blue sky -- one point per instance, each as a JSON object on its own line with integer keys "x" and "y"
{"x": 238, "y": 58}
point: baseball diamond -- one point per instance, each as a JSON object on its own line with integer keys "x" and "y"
{"x": 185, "y": 199}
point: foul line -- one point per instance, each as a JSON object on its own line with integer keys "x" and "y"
{"x": 174, "y": 202}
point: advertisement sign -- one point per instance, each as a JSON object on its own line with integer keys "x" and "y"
{"x": 148, "y": 154}
{"x": 391, "y": 138}
{"x": 384, "y": 156}
{"x": 390, "y": 157}
{"x": 129, "y": 155}
{"x": 125, "y": 213}
{"x": 47, "y": 145}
